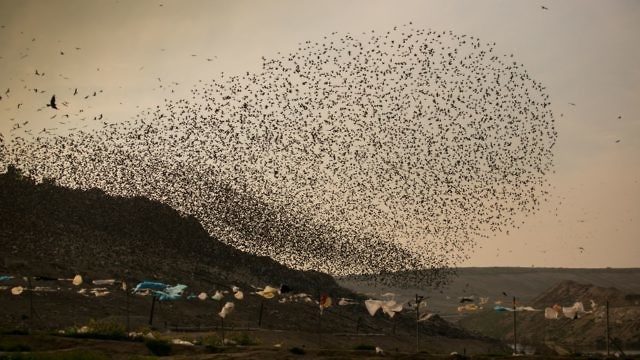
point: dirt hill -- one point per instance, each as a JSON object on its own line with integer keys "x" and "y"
{"x": 567, "y": 292}
{"x": 54, "y": 231}
{"x": 48, "y": 231}
{"x": 490, "y": 283}
{"x": 566, "y": 335}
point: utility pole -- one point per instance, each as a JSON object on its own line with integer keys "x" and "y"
{"x": 260, "y": 314}
{"x": 320, "y": 329}
{"x": 222, "y": 327}
{"x": 417, "y": 325}
{"x": 125, "y": 288}
{"x": 126, "y": 294}
{"x": 515, "y": 338}
{"x": 419, "y": 300}
{"x": 30, "y": 304}
{"x": 153, "y": 305}
{"x": 607, "y": 330}
{"x": 128, "y": 316}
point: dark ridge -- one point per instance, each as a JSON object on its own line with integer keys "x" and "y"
{"x": 569, "y": 291}
{"x": 53, "y": 231}
{"x": 67, "y": 231}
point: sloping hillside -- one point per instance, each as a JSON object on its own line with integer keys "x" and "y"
{"x": 567, "y": 335}
{"x": 52, "y": 232}
{"x": 47, "y": 230}
{"x": 567, "y": 292}
{"x": 524, "y": 283}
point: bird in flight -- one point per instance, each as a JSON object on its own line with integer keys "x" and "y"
{"x": 52, "y": 103}
{"x": 544, "y": 7}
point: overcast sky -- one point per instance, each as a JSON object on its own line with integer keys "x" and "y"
{"x": 585, "y": 52}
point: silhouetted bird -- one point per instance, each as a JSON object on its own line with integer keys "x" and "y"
{"x": 52, "y": 103}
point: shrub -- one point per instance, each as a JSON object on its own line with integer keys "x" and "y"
{"x": 10, "y": 346}
{"x": 213, "y": 348}
{"x": 458, "y": 357}
{"x": 365, "y": 347}
{"x": 108, "y": 329}
{"x": 211, "y": 343}
{"x": 158, "y": 347}
{"x": 14, "y": 332}
{"x": 101, "y": 329}
{"x": 244, "y": 339}
{"x": 63, "y": 355}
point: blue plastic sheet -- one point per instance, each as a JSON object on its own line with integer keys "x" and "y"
{"x": 149, "y": 285}
{"x": 502, "y": 308}
{"x": 170, "y": 292}
{"x": 162, "y": 296}
{"x": 175, "y": 290}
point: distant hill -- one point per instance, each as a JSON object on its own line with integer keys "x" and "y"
{"x": 52, "y": 231}
{"x": 568, "y": 291}
{"x": 524, "y": 283}
{"x": 567, "y": 335}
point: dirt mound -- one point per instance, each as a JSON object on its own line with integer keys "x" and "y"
{"x": 584, "y": 334}
{"x": 49, "y": 231}
{"x": 66, "y": 231}
{"x": 568, "y": 292}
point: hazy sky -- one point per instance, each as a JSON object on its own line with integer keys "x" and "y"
{"x": 584, "y": 52}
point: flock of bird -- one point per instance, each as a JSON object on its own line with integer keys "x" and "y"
{"x": 385, "y": 151}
